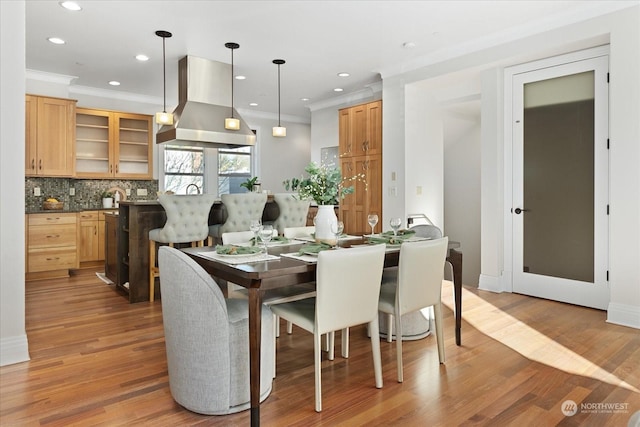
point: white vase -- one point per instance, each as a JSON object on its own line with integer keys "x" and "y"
{"x": 325, "y": 217}
{"x": 107, "y": 203}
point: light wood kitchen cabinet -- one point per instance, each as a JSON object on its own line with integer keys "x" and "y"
{"x": 50, "y": 136}
{"x": 361, "y": 130}
{"x": 366, "y": 199}
{"x": 91, "y": 235}
{"x": 360, "y": 139}
{"x": 112, "y": 144}
{"x": 51, "y": 244}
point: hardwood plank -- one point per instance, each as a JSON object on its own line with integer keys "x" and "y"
{"x": 98, "y": 360}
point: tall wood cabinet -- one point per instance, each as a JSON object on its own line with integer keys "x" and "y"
{"x": 50, "y": 136}
{"x": 112, "y": 144}
{"x": 360, "y": 148}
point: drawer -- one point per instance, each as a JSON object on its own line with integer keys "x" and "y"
{"x": 46, "y": 259}
{"x": 88, "y": 216}
{"x": 52, "y": 219}
{"x": 101, "y": 213}
{"x": 53, "y": 236}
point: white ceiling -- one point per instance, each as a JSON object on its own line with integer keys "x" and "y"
{"x": 318, "y": 39}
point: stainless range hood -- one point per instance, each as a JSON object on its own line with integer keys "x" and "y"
{"x": 204, "y": 98}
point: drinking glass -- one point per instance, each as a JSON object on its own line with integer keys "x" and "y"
{"x": 373, "y": 220}
{"x": 266, "y": 232}
{"x": 337, "y": 228}
{"x": 255, "y": 226}
{"x": 395, "y": 224}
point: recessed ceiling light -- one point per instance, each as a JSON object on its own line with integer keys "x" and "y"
{"x": 70, "y": 5}
{"x": 142, "y": 58}
{"x": 343, "y": 74}
{"x": 114, "y": 83}
{"x": 304, "y": 99}
{"x": 240, "y": 77}
{"x": 338, "y": 89}
{"x": 253, "y": 104}
{"x": 56, "y": 40}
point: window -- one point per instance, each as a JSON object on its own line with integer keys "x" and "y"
{"x": 183, "y": 166}
{"x": 234, "y": 167}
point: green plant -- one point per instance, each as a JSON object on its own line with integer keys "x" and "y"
{"x": 106, "y": 195}
{"x": 325, "y": 185}
{"x": 250, "y": 183}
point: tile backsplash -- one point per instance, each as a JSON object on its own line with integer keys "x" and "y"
{"x": 87, "y": 191}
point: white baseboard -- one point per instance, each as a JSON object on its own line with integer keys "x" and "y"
{"x": 14, "y": 350}
{"x": 625, "y": 315}
{"x": 490, "y": 283}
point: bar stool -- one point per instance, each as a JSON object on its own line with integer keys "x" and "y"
{"x": 241, "y": 209}
{"x": 187, "y": 222}
{"x": 293, "y": 212}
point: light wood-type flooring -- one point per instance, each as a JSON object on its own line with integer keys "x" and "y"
{"x": 98, "y": 360}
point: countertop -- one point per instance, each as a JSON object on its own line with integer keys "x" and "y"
{"x": 53, "y": 211}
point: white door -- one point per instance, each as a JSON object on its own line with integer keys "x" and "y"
{"x": 560, "y": 183}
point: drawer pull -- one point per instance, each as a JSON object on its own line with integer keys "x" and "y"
{"x": 53, "y": 219}
{"x": 52, "y": 236}
{"x": 53, "y": 259}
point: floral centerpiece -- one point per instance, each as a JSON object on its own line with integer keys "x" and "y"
{"x": 326, "y": 186}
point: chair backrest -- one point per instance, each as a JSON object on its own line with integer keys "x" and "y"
{"x": 196, "y": 331}
{"x": 292, "y": 232}
{"x": 427, "y": 230}
{"x": 187, "y": 217}
{"x": 293, "y": 212}
{"x": 420, "y": 273}
{"x": 241, "y": 209}
{"x": 235, "y": 237}
{"x": 348, "y": 287}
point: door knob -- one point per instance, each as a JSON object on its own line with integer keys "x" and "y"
{"x": 518, "y": 211}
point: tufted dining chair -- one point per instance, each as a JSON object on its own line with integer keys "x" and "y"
{"x": 241, "y": 209}
{"x": 207, "y": 339}
{"x": 293, "y": 232}
{"x": 293, "y": 212}
{"x": 187, "y": 222}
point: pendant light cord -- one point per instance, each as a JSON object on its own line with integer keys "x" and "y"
{"x": 278, "y": 95}
{"x": 164, "y": 75}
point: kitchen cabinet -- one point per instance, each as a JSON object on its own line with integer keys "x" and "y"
{"x": 91, "y": 232}
{"x": 360, "y": 130}
{"x": 112, "y": 144}
{"x": 360, "y": 147}
{"x": 49, "y": 136}
{"x": 367, "y": 197}
{"x": 111, "y": 248}
{"x": 51, "y": 244}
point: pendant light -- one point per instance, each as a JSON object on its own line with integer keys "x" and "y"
{"x": 231, "y": 123}
{"x": 279, "y": 130}
{"x": 164, "y": 118}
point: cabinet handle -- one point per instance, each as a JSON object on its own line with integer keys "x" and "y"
{"x": 95, "y": 230}
{"x": 33, "y": 164}
{"x": 53, "y": 259}
{"x": 117, "y": 167}
{"x": 53, "y": 236}
{"x": 365, "y": 165}
{"x": 110, "y": 168}
{"x": 40, "y": 164}
{"x": 53, "y": 219}
{"x": 349, "y": 167}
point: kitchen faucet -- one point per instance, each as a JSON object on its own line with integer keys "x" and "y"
{"x": 189, "y": 186}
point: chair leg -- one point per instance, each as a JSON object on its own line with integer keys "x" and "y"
{"x": 437, "y": 309}
{"x": 277, "y": 325}
{"x": 399, "y": 346}
{"x": 276, "y": 321}
{"x": 375, "y": 349}
{"x": 289, "y": 327}
{"x": 331, "y": 337}
{"x": 345, "y": 343}
{"x": 152, "y": 270}
{"x": 317, "y": 354}
{"x": 390, "y": 328}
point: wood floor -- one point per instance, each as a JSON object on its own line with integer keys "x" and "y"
{"x": 97, "y": 360}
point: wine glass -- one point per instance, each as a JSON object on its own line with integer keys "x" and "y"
{"x": 337, "y": 228}
{"x": 373, "y": 220}
{"x": 266, "y": 232}
{"x": 255, "y": 226}
{"x": 395, "y": 224}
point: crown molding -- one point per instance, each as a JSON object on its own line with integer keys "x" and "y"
{"x": 244, "y": 112}
{"x": 44, "y": 76}
{"x": 351, "y": 98}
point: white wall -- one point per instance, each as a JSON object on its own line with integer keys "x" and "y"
{"x": 13, "y": 338}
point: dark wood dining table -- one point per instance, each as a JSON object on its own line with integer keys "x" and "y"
{"x": 258, "y": 277}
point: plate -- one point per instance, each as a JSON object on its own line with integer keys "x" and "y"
{"x": 245, "y": 251}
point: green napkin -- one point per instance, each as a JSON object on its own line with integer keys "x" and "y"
{"x": 279, "y": 239}
{"x": 401, "y": 233}
{"x": 383, "y": 239}
{"x": 236, "y": 250}
{"x": 313, "y": 248}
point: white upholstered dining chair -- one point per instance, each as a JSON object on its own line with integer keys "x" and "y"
{"x": 293, "y": 232}
{"x": 347, "y": 290}
{"x": 419, "y": 285}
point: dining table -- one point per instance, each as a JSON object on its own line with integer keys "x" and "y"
{"x": 280, "y": 271}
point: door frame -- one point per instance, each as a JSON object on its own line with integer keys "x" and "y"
{"x": 508, "y": 129}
